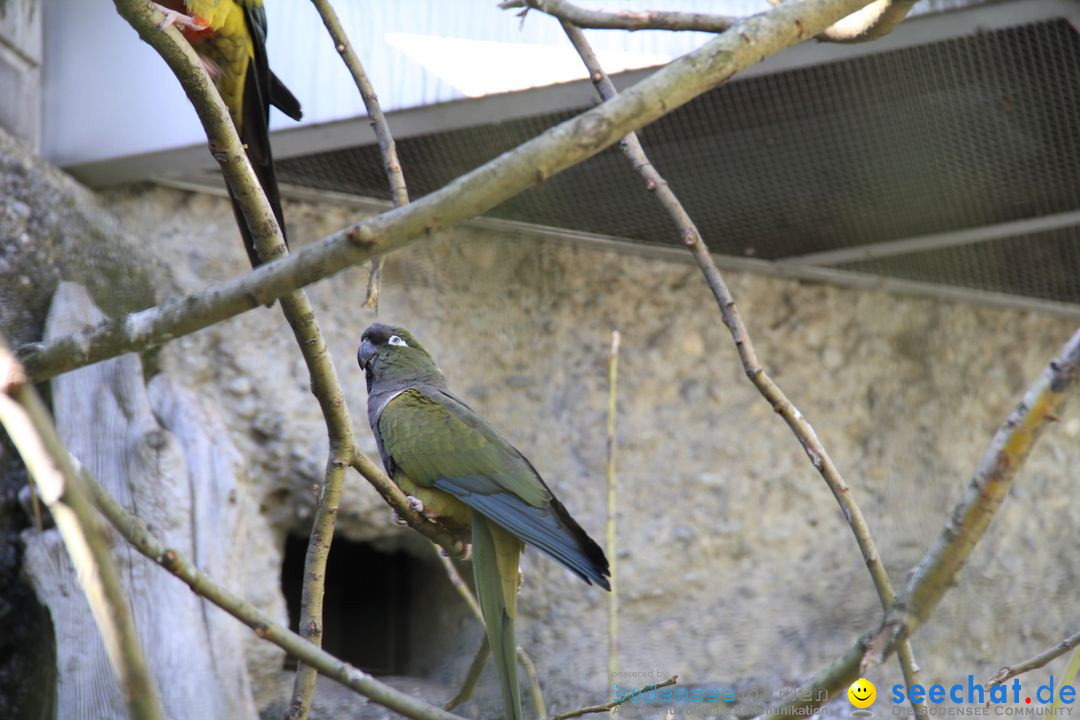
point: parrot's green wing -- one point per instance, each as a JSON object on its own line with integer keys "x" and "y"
{"x": 438, "y": 441}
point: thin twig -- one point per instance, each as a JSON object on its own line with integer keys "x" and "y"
{"x": 482, "y": 652}
{"x": 613, "y": 596}
{"x": 1042, "y": 403}
{"x": 476, "y": 667}
{"x": 399, "y": 194}
{"x": 772, "y": 393}
{"x": 615, "y": 703}
{"x": 535, "y": 690}
{"x": 139, "y": 536}
{"x": 625, "y": 19}
{"x": 313, "y": 587}
{"x": 1008, "y": 672}
{"x": 688, "y": 232}
{"x": 459, "y": 584}
{"x": 27, "y": 422}
{"x": 476, "y": 192}
{"x": 905, "y": 656}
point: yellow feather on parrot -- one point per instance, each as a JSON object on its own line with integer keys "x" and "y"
{"x": 230, "y": 38}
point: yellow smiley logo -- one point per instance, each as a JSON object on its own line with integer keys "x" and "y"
{"x": 862, "y": 693}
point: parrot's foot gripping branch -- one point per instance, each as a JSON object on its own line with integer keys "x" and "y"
{"x": 415, "y": 503}
{"x": 172, "y": 17}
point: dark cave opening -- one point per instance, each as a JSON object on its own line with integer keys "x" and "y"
{"x": 370, "y": 594}
{"x": 389, "y": 608}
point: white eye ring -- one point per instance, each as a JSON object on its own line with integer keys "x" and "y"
{"x": 395, "y": 340}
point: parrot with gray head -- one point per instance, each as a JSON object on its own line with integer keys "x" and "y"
{"x": 456, "y": 466}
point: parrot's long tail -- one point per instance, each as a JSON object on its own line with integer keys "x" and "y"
{"x": 261, "y": 90}
{"x": 495, "y": 557}
{"x": 255, "y": 135}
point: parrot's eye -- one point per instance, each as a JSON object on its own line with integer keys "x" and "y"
{"x": 395, "y": 340}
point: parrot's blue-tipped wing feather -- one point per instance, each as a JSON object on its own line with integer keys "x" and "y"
{"x": 540, "y": 527}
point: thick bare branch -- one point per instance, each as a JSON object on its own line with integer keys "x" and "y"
{"x": 1008, "y": 672}
{"x": 142, "y": 539}
{"x": 399, "y": 194}
{"x": 936, "y": 573}
{"x": 992, "y": 481}
{"x": 553, "y": 151}
{"x": 872, "y": 22}
{"x": 625, "y": 19}
{"x": 27, "y": 422}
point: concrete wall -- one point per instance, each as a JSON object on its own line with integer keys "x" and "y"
{"x": 735, "y": 565}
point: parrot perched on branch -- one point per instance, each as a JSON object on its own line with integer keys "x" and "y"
{"x": 454, "y": 465}
{"x": 230, "y": 38}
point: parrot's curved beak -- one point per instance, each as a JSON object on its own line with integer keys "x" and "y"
{"x": 365, "y": 353}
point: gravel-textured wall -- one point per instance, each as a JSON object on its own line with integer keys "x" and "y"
{"x": 735, "y": 565}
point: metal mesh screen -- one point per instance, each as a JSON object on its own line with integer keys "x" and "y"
{"x": 962, "y": 133}
{"x": 1041, "y": 265}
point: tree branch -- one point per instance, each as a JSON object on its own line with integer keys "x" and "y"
{"x": 472, "y": 676}
{"x": 615, "y": 703}
{"x": 635, "y": 153}
{"x": 399, "y": 194}
{"x": 905, "y": 656}
{"x": 870, "y": 23}
{"x": 140, "y": 537}
{"x": 451, "y": 538}
{"x": 936, "y": 573}
{"x": 27, "y": 421}
{"x": 625, "y": 19}
{"x": 749, "y": 41}
{"x": 654, "y": 182}
{"x": 1008, "y": 672}
{"x": 992, "y": 480}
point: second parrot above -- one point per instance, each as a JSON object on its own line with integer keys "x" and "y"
{"x": 230, "y": 38}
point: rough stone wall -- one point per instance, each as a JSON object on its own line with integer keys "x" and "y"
{"x": 735, "y": 565}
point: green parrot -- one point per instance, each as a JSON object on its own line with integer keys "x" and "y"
{"x": 230, "y": 38}
{"x": 454, "y": 465}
